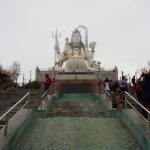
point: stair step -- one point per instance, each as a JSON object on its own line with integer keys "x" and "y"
{"x": 75, "y": 109}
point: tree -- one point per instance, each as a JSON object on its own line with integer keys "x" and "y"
{"x": 15, "y": 70}
{"x": 1, "y": 66}
{"x": 5, "y": 78}
{"x": 143, "y": 69}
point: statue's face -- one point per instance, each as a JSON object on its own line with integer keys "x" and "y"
{"x": 76, "y": 38}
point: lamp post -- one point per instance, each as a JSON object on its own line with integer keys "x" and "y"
{"x": 23, "y": 80}
{"x": 99, "y": 69}
{"x": 129, "y": 78}
{"x": 136, "y": 75}
{"x": 54, "y": 72}
{"x": 30, "y": 77}
{"x": 148, "y": 65}
{"x": 122, "y": 73}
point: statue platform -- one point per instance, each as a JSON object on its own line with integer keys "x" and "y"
{"x": 75, "y": 82}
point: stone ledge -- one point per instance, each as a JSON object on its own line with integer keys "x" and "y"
{"x": 13, "y": 125}
{"x": 138, "y": 126}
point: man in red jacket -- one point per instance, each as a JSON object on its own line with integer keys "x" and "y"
{"x": 48, "y": 82}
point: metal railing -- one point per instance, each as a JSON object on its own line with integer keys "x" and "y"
{"x": 50, "y": 91}
{"x": 108, "y": 96}
{"x": 5, "y": 115}
{"x": 43, "y": 97}
{"x": 127, "y": 95}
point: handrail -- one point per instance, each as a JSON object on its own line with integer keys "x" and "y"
{"x": 108, "y": 96}
{"x": 43, "y": 96}
{"x": 5, "y": 114}
{"x": 106, "y": 91}
{"x": 137, "y": 102}
{"x": 127, "y": 94}
{"x": 14, "y": 106}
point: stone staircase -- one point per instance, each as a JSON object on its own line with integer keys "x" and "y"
{"x": 8, "y": 99}
{"x": 75, "y": 121}
{"x": 69, "y": 107}
{"x": 35, "y": 98}
{"x": 138, "y": 108}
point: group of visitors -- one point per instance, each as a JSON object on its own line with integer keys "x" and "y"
{"x": 111, "y": 86}
{"x": 142, "y": 89}
{"x": 108, "y": 85}
{"x": 116, "y": 90}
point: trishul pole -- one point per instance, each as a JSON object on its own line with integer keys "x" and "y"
{"x": 56, "y": 41}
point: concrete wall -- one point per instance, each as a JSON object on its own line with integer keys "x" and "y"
{"x": 110, "y": 74}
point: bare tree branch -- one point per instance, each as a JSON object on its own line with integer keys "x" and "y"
{"x": 15, "y": 70}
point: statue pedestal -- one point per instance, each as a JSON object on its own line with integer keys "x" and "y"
{"x": 75, "y": 82}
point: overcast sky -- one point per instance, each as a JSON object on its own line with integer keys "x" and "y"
{"x": 121, "y": 29}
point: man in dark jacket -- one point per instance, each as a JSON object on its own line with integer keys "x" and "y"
{"x": 145, "y": 92}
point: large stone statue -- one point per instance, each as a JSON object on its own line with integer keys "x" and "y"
{"x": 77, "y": 57}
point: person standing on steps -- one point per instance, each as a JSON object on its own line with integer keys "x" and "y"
{"x": 47, "y": 83}
{"x": 133, "y": 82}
{"x": 145, "y": 92}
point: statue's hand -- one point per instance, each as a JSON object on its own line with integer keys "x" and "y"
{"x": 91, "y": 64}
{"x": 56, "y": 63}
{"x": 59, "y": 63}
{"x": 92, "y": 45}
{"x": 96, "y": 64}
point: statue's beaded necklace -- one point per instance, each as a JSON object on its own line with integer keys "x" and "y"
{"x": 77, "y": 50}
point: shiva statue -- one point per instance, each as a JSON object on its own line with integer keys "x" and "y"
{"x": 76, "y": 56}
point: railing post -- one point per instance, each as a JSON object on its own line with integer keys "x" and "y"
{"x": 29, "y": 100}
{"x": 41, "y": 103}
{"x": 5, "y": 115}
{"x": 6, "y": 126}
{"x": 125, "y": 98}
{"x": 148, "y": 115}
